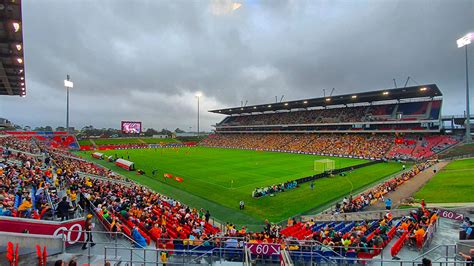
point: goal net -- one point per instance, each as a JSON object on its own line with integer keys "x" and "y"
{"x": 324, "y": 165}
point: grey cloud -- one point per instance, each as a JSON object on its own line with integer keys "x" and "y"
{"x": 145, "y": 59}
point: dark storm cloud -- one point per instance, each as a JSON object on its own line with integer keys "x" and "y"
{"x": 145, "y": 60}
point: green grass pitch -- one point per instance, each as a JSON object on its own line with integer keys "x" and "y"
{"x": 217, "y": 179}
{"x": 454, "y": 183}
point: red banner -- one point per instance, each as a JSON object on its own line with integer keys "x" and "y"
{"x": 42, "y": 227}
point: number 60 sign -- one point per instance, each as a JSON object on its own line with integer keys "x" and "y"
{"x": 264, "y": 249}
{"x": 450, "y": 215}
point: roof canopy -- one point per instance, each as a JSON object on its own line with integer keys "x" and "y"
{"x": 429, "y": 90}
{"x": 12, "y": 74}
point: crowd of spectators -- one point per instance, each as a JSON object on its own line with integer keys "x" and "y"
{"x": 270, "y": 190}
{"x": 362, "y": 239}
{"x": 27, "y": 186}
{"x": 350, "y": 145}
{"x": 22, "y": 144}
{"x": 367, "y": 146}
{"x": 361, "y": 201}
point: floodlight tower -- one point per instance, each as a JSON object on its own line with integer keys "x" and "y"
{"x": 464, "y": 42}
{"x": 198, "y": 96}
{"x": 69, "y": 85}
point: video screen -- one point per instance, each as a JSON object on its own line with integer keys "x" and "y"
{"x": 131, "y": 127}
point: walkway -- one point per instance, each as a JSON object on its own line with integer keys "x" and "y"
{"x": 409, "y": 188}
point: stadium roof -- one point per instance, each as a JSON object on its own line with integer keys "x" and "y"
{"x": 429, "y": 90}
{"x": 12, "y": 71}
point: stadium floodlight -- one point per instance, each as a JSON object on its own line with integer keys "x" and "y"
{"x": 305, "y": 102}
{"x": 269, "y": 105}
{"x": 354, "y": 96}
{"x": 69, "y": 85}
{"x": 198, "y": 96}
{"x": 19, "y": 60}
{"x": 385, "y": 93}
{"x": 286, "y": 104}
{"x": 22, "y": 78}
{"x": 423, "y": 89}
{"x": 255, "y": 107}
{"x": 464, "y": 42}
{"x": 328, "y": 99}
{"x": 18, "y": 47}
{"x": 16, "y": 26}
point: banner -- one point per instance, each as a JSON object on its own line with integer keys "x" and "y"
{"x": 43, "y": 227}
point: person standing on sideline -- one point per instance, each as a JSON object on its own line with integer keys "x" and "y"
{"x": 88, "y": 231}
{"x": 241, "y": 205}
{"x": 388, "y": 203}
{"x": 311, "y": 185}
{"x": 207, "y": 216}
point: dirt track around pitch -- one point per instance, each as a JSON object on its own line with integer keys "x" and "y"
{"x": 408, "y": 188}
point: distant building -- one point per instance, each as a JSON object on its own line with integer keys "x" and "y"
{"x": 160, "y": 136}
{"x": 5, "y": 124}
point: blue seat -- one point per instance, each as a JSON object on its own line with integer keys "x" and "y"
{"x": 352, "y": 257}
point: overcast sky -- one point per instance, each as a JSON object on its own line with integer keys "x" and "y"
{"x": 144, "y": 60}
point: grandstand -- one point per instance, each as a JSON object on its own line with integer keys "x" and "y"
{"x": 400, "y": 123}
{"x": 399, "y": 110}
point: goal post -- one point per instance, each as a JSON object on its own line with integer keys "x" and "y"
{"x": 324, "y": 165}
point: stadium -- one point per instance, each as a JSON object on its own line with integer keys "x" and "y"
{"x": 364, "y": 177}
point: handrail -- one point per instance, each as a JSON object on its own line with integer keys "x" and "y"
{"x": 99, "y": 232}
{"x": 286, "y": 258}
{"x": 433, "y": 249}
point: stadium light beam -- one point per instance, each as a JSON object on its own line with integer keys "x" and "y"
{"x": 464, "y": 42}
{"x": 198, "y": 96}
{"x": 69, "y": 85}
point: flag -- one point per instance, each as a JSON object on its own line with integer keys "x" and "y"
{"x": 10, "y": 255}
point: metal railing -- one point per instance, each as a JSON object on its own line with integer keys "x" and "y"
{"x": 113, "y": 238}
{"x": 148, "y": 256}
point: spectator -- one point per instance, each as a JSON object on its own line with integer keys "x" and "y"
{"x": 388, "y": 204}
{"x": 468, "y": 257}
{"x": 138, "y": 238}
{"x": 63, "y": 209}
{"x": 88, "y": 232}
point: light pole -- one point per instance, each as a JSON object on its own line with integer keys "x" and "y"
{"x": 69, "y": 85}
{"x": 464, "y": 42}
{"x": 198, "y": 96}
